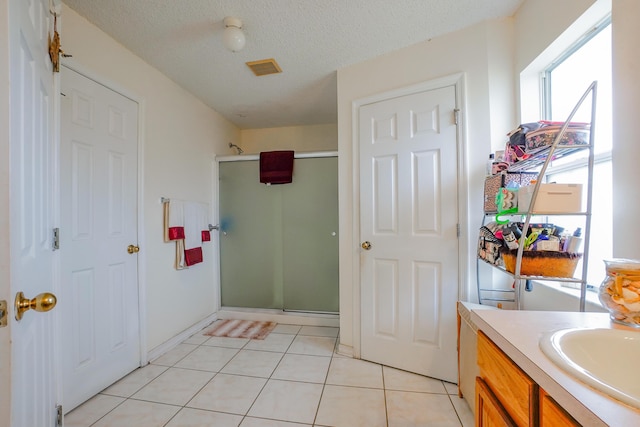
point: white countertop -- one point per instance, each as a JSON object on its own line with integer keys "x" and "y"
{"x": 517, "y": 333}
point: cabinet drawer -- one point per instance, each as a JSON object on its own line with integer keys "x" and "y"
{"x": 489, "y": 410}
{"x": 517, "y": 392}
{"x": 552, "y": 414}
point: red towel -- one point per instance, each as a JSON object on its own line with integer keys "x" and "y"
{"x": 276, "y": 167}
{"x": 195, "y": 215}
{"x": 186, "y": 223}
{"x": 193, "y": 256}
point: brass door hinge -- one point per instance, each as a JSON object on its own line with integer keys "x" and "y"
{"x": 3, "y": 314}
{"x": 56, "y": 239}
{"x": 59, "y": 416}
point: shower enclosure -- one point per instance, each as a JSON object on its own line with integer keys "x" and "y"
{"x": 279, "y": 243}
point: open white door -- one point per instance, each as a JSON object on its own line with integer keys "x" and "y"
{"x": 33, "y": 379}
{"x": 408, "y": 229}
{"x": 100, "y": 331}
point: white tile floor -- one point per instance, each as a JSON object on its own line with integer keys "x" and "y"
{"x": 292, "y": 378}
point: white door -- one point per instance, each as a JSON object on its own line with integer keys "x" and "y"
{"x": 408, "y": 208}
{"x": 34, "y": 389}
{"x": 98, "y": 184}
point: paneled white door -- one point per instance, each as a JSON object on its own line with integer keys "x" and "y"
{"x": 98, "y": 157}
{"x": 33, "y": 379}
{"x": 408, "y": 214}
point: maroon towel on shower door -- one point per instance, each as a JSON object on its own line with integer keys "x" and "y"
{"x": 276, "y": 167}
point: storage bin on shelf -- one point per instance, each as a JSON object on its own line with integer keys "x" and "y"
{"x": 492, "y": 185}
{"x": 542, "y": 263}
{"x": 552, "y": 198}
{"x": 575, "y": 134}
{"x": 489, "y": 245}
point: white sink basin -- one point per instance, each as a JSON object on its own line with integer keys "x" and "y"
{"x": 606, "y": 359}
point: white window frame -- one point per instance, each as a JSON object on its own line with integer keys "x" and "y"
{"x": 600, "y": 158}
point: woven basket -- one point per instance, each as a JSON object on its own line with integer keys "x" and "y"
{"x": 542, "y": 263}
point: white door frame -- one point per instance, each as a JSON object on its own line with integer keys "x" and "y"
{"x": 142, "y": 271}
{"x": 214, "y": 214}
{"x": 457, "y": 80}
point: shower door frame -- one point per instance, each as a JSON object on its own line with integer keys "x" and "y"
{"x": 224, "y": 312}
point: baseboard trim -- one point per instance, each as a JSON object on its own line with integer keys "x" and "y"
{"x": 345, "y": 350}
{"x": 279, "y": 316}
{"x": 173, "y": 342}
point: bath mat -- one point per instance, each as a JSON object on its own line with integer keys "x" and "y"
{"x": 232, "y": 328}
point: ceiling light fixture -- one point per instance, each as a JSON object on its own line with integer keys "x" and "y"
{"x": 233, "y": 37}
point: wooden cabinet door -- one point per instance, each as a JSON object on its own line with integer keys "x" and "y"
{"x": 489, "y": 410}
{"x": 552, "y": 414}
{"x": 517, "y": 392}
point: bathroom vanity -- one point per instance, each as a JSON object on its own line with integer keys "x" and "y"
{"x": 519, "y": 380}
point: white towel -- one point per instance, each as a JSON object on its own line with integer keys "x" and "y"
{"x": 196, "y": 228}
{"x": 186, "y": 223}
{"x": 174, "y": 229}
{"x": 173, "y": 220}
{"x": 204, "y": 222}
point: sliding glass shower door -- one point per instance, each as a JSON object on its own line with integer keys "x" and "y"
{"x": 249, "y": 234}
{"x": 310, "y": 236}
{"x": 279, "y": 243}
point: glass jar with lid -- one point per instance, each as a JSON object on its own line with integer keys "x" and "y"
{"x": 620, "y": 291}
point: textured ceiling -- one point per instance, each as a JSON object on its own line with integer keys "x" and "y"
{"x": 310, "y": 39}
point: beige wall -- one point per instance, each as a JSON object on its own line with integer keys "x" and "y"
{"x": 537, "y": 48}
{"x": 626, "y": 90}
{"x": 626, "y": 108}
{"x": 483, "y": 53}
{"x": 298, "y": 138}
{"x": 494, "y": 56}
{"x": 180, "y": 139}
{"x": 182, "y": 136}
{"x": 540, "y": 23}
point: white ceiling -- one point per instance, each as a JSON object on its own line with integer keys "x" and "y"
{"x": 310, "y": 39}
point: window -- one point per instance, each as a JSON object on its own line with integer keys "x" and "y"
{"x": 564, "y": 83}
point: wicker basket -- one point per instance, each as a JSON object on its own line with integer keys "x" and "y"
{"x": 542, "y": 263}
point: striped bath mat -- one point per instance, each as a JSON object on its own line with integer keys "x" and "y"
{"x": 232, "y": 328}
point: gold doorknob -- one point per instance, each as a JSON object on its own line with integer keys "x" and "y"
{"x": 366, "y": 245}
{"x": 42, "y": 302}
{"x": 133, "y": 249}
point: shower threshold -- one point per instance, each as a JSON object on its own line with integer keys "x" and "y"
{"x": 305, "y": 318}
{"x": 333, "y": 313}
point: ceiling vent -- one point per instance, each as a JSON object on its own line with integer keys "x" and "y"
{"x": 264, "y": 67}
